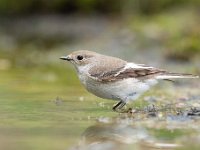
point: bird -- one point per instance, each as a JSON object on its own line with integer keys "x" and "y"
{"x": 112, "y": 78}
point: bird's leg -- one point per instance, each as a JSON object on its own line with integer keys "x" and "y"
{"x": 119, "y": 106}
{"x": 122, "y": 105}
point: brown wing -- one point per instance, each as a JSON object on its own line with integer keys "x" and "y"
{"x": 121, "y": 73}
{"x": 106, "y": 66}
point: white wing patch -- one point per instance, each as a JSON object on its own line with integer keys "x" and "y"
{"x": 136, "y": 66}
{"x": 133, "y": 66}
{"x": 175, "y": 77}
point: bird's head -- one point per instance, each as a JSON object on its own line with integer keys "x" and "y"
{"x": 81, "y": 58}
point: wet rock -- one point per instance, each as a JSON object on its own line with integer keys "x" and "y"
{"x": 193, "y": 112}
{"x": 180, "y": 105}
{"x": 151, "y": 111}
{"x": 196, "y": 105}
{"x": 58, "y": 101}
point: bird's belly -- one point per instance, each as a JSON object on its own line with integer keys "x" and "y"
{"x": 126, "y": 90}
{"x": 104, "y": 90}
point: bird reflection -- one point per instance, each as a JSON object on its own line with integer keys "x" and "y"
{"x": 117, "y": 135}
{"x": 110, "y": 136}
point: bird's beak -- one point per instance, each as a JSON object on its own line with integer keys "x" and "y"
{"x": 68, "y": 58}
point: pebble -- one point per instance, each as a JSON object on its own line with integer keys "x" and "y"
{"x": 81, "y": 98}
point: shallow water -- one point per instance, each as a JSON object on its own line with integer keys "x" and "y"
{"x": 39, "y": 114}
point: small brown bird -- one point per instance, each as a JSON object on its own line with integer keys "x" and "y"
{"x": 113, "y": 78}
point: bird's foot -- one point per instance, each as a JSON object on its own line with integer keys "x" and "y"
{"x": 128, "y": 111}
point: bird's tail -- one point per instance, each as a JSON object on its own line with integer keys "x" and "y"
{"x": 169, "y": 75}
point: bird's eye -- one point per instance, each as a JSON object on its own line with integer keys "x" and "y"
{"x": 79, "y": 57}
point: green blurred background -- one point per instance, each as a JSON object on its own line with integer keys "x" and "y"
{"x": 42, "y": 26}
{"x": 42, "y": 104}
